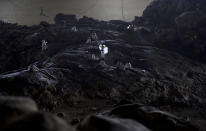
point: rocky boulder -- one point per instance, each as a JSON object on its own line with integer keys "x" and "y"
{"x": 189, "y": 20}
{"x": 21, "y": 114}
{"x": 163, "y": 12}
{"x": 37, "y": 85}
{"x": 11, "y": 108}
{"x": 135, "y": 117}
{"x": 153, "y": 118}
{"x": 104, "y": 123}
{"x": 38, "y": 122}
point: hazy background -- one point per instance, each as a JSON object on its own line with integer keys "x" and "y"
{"x": 28, "y": 11}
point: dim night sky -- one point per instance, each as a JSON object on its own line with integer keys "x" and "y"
{"x": 27, "y": 11}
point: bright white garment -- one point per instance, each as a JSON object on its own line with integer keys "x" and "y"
{"x": 104, "y": 49}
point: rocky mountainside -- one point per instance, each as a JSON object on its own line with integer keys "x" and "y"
{"x": 179, "y": 26}
{"x": 166, "y": 52}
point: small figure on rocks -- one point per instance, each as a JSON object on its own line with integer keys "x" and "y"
{"x": 127, "y": 66}
{"x": 93, "y": 39}
{"x": 131, "y": 27}
{"x": 94, "y": 36}
{"x": 74, "y": 29}
{"x": 44, "y": 45}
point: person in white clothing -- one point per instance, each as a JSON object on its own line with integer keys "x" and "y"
{"x": 103, "y": 50}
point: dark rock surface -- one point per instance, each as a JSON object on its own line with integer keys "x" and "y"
{"x": 166, "y": 50}
{"x": 102, "y": 123}
{"x": 132, "y": 117}
{"x": 163, "y": 12}
{"x": 38, "y": 122}
{"x": 178, "y": 25}
{"x": 12, "y": 108}
{"x": 151, "y": 117}
{"x": 21, "y": 114}
{"x": 135, "y": 117}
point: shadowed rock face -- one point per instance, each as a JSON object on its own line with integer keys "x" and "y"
{"x": 102, "y": 123}
{"x": 179, "y": 26}
{"x": 150, "y": 117}
{"x": 135, "y": 117}
{"x": 131, "y": 117}
{"x": 12, "y": 108}
{"x": 167, "y": 62}
{"x": 18, "y": 113}
{"x": 163, "y": 12}
{"x": 38, "y": 121}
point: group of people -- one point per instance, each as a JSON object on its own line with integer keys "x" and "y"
{"x": 94, "y": 41}
{"x": 132, "y": 27}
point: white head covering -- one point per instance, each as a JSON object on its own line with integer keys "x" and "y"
{"x": 104, "y": 48}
